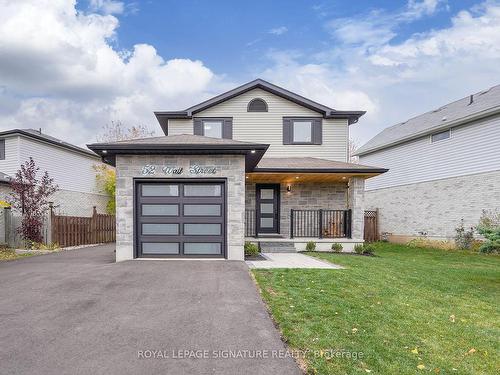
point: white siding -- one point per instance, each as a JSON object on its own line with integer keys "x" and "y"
{"x": 11, "y": 163}
{"x": 472, "y": 148}
{"x": 267, "y": 127}
{"x": 70, "y": 170}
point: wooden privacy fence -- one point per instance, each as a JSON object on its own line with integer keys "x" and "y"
{"x": 371, "y": 226}
{"x": 76, "y": 230}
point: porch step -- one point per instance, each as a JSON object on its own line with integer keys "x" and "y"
{"x": 277, "y": 247}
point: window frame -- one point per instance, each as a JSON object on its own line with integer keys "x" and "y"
{"x": 227, "y": 126}
{"x": 449, "y": 131}
{"x": 221, "y": 123}
{"x": 254, "y": 100}
{"x": 2, "y": 149}
{"x": 316, "y": 129}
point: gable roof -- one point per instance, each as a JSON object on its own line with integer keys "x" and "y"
{"x": 182, "y": 144}
{"x": 36, "y": 134}
{"x": 465, "y": 110}
{"x": 327, "y": 112}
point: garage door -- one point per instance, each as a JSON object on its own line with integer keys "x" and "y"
{"x": 180, "y": 219}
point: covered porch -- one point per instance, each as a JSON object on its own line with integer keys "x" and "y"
{"x": 297, "y": 200}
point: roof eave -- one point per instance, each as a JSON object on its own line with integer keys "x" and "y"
{"x": 321, "y": 170}
{"x": 457, "y": 122}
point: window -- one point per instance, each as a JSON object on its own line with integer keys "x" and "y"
{"x": 440, "y": 136}
{"x": 212, "y": 129}
{"x": 2, "y": 149}
{"x": 160, "y": 248}
{"x": 160, "y": 210}
{"x": 202, "y": 210}
{"x": 302, "y": 131}
{"x": 202, "y": 190}
{"x": 257, "y": 105}
{"x": 160, "y": 190}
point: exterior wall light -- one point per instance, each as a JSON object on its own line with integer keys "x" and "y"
{"x": 289, "y": 188}
{"x": 253, "y": 151}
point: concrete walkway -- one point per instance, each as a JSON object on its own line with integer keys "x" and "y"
{"x": 290, "y": 260}
{"x": 78, "y": 312}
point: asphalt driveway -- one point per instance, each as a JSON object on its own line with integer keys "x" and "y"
{"x": 78, "y": 312}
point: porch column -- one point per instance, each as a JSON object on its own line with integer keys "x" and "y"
{"x": 356, "y": 202}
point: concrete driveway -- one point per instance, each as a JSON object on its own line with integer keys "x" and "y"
{"x": 78, "y": 312}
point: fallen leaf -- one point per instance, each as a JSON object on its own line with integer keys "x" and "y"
{"x": 471, "y": 351}
{"x": 368, "y": 370}
{"x": 415, "y": 351}
{"x": 421, "y": 367}
{"x": 437, "y": 370}
{"x": 452, "y": 318}
{"x": 354, "y": 330}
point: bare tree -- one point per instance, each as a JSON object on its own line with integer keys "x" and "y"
{"x": 353, "y": 146}
{"x": 117, "y": 131}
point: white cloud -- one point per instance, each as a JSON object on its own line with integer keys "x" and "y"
{"x": 107, "y": 6}
{"x": 59, "y": 71}
{"x": 395, "y": 81}
{"x": 278, "y": 30}
{"x": 378, "y": 26}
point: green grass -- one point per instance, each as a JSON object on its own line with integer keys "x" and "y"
{"x": 405, "y": 308}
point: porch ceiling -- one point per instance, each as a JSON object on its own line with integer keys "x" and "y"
{"x": 290, "y": 177}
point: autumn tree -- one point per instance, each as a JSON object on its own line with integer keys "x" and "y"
{"x": 105, "y": 175}
{"x": 30, "y": 195}
{"x": 353, "y": 146}
{"x": 117, "y": 131}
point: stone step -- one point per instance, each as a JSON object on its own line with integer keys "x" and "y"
{"x": 277, "y": 247}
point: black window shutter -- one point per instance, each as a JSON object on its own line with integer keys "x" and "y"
{"x": 2, "y": 149}
{"x": 317, "y": 132}
{"x": 287, "y": 131}
{"x": 227, "y": 128}
{"x": 197, "y": 127}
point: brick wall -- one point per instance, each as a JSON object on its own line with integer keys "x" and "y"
{"x": 435, "y": 207}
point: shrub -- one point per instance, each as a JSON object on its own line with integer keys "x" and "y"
{"x": 311, "y": 246}
{"x": 463, "y": 237}
{"x": 251, "y": 249}
{"x": 358, "y": 248}
{"x": 337, "y": 247}
{"x": 489, "y": 228}
{"x": 368, "y": 249}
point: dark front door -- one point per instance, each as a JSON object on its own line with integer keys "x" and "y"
{"x": 180, "y": 218}
{"x": 268, "y": 208}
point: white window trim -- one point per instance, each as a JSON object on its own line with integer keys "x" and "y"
{"x": 441, "y": 140}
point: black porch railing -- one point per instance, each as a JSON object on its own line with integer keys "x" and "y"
{"x": 250, "y": 223}
{"x": 320, "y": 223}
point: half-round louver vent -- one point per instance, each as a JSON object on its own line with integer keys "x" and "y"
{"x": 257, "y": 105}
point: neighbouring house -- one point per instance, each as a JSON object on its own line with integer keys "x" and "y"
{"x": 444, "y": 166}
{"x": 71, "y": 167}
{"x": 257, "y": 163}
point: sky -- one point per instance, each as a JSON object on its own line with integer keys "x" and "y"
{"x": 70, "y": 67}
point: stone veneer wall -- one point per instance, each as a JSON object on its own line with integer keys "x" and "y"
{"x": 435, "y": 207}
{"x": 306, "y": 196}
{"x": 231, "y": 167}
{"x": 357, "y": 205}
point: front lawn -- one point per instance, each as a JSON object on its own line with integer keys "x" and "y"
{"x": 407, "y": 310}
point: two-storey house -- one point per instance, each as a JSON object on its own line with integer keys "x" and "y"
{"x": 71, "y": 167}
{"x": 444, "y": 166}
{"x": 257, "y": 163}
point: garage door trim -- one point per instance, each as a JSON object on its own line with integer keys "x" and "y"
{"x": 136, "y": 213}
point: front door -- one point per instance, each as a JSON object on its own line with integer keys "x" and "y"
{"x": 268, "y": 208}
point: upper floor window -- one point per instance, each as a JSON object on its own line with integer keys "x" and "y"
{"x": 213, "y": 127}
{"x": 302, "y": 131}
{"x": 441, "y": 136}
{"x": 2, "y": 149}
{"x": 257, "y": 105}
